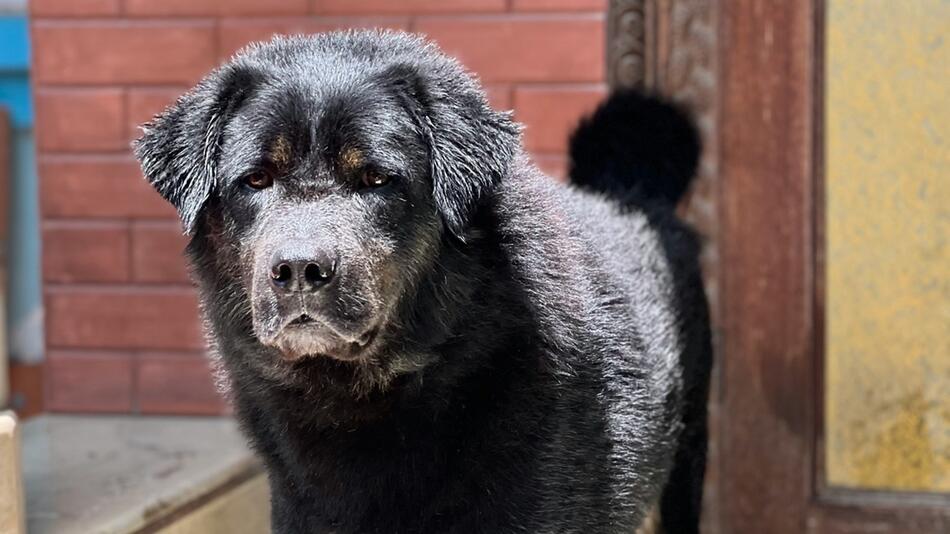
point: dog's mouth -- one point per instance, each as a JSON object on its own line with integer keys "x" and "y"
{"x": 306, "y": 336}
{"x": 302, "y": 321}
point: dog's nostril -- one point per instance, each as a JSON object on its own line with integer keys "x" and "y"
{"x": 314, "y": 273}
{"x": 295, "y": 275}
{"x": 282, "y": 273}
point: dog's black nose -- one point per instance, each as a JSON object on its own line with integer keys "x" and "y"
{"x": 302, "y": 275}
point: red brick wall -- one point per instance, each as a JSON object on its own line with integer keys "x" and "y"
{"x": 122, "y": 331}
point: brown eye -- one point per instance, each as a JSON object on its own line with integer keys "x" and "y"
{"x": 259, "y": 180}
{"x": 373, "y": 178}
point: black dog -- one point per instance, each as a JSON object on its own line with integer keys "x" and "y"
{"x": 420, "y": 332}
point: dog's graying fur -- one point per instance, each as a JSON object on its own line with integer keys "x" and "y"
{"x": 496, "y": 352}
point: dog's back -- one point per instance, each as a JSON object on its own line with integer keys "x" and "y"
{"x": 617, "y": 291}
{"x": 641, "y": 153}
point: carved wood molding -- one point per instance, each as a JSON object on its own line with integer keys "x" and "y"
{"x": 667, "y": 46}
{"x": 629, "y": 49}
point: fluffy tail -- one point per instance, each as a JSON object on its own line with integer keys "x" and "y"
{"x": 636, "y": 147}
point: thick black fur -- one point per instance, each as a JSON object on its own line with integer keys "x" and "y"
{"x": 636, "y": 145}
{"x": 542, "y": 356}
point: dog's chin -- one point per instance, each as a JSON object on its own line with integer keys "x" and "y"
{"x": 304, "y": 338}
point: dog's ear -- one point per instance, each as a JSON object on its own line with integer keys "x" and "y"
{"x": 471, "y": 146}
{"x": 179, "y": 148}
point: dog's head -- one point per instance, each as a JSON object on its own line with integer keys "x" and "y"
{"x": 324, "y": 173}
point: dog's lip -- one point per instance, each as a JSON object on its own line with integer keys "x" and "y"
{"x": 350, "y": 348}
{"x": 302, "y": 320}
{"x": 355, "y": 350}
{"x": 368, "y": 337}
{"x": 305, "y": 321}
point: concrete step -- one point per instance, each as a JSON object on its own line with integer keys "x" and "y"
{"x": 123, "y": 474}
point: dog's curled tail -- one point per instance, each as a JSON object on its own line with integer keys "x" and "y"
{"x": 635, "y": 147}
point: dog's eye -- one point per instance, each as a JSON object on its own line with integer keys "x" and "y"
{"x": 258, "y": 180}
{"x": 373, "y": 178}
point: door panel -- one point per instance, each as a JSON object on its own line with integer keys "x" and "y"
{"x": 887, "y": 239}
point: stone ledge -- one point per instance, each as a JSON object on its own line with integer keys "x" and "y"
{"x": 121, "y": 474}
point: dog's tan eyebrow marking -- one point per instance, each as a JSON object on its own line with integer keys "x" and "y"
{"x": 351, "y": 159}
{"x": 280, "y": 151}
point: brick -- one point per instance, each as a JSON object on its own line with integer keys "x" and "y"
{"x": 411, "y": 7}
{"x": 550, "y": 114}
{"x": 529, "y": 49}
{"x": 157, "y": 252}
{"x": 176, "y": 383}
{"x": 143, "y": 104}
{"x": 236, "y": 33}
{"x": 499, "y": 96}
{"x": 122, "y": 52}
{"x": 84, "y": 187}
{"x": 89, "y": 382}
{"x": 69, "y": 8}
{"x": 93, "y": 252}
{"x": 165, "y": 8}
{"x": 126, "y": 318}
{"x": 27, "y": 389}
{"x": 553, "y": 165}
{"x": 559, "y": 5}
{"x": 80, "y": 119}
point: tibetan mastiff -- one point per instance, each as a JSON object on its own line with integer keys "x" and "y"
{"x": 419, "y": 331}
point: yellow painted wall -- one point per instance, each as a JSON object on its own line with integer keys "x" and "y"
{"x": 887, "y": 113}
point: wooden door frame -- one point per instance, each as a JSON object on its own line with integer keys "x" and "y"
{"x": 768, "y": 394}
{"x": 752, "y": 70}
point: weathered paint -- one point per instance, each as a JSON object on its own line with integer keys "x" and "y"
{"x": 887, "y": 157}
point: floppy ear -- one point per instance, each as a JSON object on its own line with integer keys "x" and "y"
{"x": 471, "y": 146}
{"x": 179, "y": 148}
